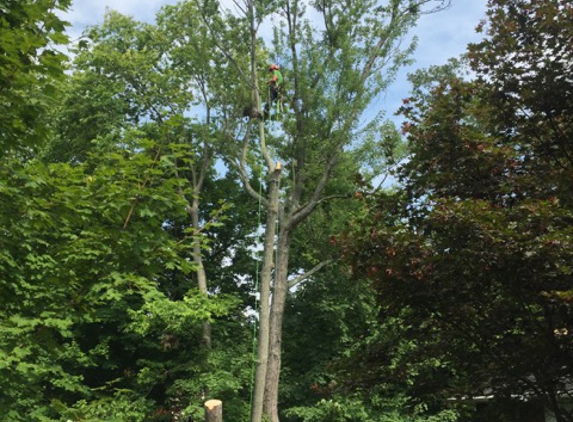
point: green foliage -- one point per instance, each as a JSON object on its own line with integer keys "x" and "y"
{"x": 124, "y": 123}
{"x": 30, "y": 68}
{"x": 177, "y": 317}
{"x": 337, "y": 74}
{"x": 123, "y": 406}
{"x": 331, "y": 331}
{"x": 349, "y": 408}
{"x": 101, "y": 318}
{"x": 341, "y": 410}
{"x": 84, "y": 256}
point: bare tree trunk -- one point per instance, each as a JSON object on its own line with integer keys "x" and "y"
{"x": 272, "y": 208}
{"x": 265, "y": 289}
{"x": 280, "y": 292}
{"x": 201, "y": 275}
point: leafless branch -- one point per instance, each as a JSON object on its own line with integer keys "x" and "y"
{"x": 301, "y": 213}
{"x": 331, "y": 197}
{"x": 302, "y": 277}
{"x": 221, "y": 48}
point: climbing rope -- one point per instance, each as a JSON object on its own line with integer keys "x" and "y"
{"x": 258, "y": 261}
{"x": 257, "y": 299}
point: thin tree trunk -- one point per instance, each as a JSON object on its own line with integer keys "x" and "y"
{"x": 280, "y": 292}
{"x": 201, "y": 275}
{"x": 265, "y": 289}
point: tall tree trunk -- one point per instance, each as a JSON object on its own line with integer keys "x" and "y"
{"x": 201, "y": 275}
{"x": 280, "y": 291}
{"x": 272, "y": 208}
{"x": 265, "y": 289}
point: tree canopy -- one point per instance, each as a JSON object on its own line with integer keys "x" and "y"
{"x": 474, "y": 257}
{"x": 163, "y": 242}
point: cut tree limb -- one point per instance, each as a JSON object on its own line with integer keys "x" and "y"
{"x": 304, "y": 276}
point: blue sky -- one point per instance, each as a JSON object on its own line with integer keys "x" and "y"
{"x": 441, "y": 36}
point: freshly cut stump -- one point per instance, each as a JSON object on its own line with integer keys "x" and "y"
{"x": 213, "y": 411}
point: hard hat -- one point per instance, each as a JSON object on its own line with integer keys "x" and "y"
{"x": 274, "y": 67}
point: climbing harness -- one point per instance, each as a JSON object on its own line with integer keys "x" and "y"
{"x": 274, "y": 93}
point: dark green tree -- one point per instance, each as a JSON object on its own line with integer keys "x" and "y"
{"x": 476, "y": 259}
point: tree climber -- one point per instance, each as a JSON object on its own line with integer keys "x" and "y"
{"x": 275, "y": 84}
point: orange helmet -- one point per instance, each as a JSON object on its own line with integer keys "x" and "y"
{"x": 273, "y": 67}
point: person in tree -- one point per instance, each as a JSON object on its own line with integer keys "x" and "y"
{"x": 275, "y": 84}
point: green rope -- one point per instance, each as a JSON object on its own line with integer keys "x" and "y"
{"x": 257, "y": 270}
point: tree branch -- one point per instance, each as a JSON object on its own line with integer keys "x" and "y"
{"x": 302, "y": 277}
{"x": 241, "y": 166}
{"x": 223, "y": 50}
{"x": 303, "y": 212}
